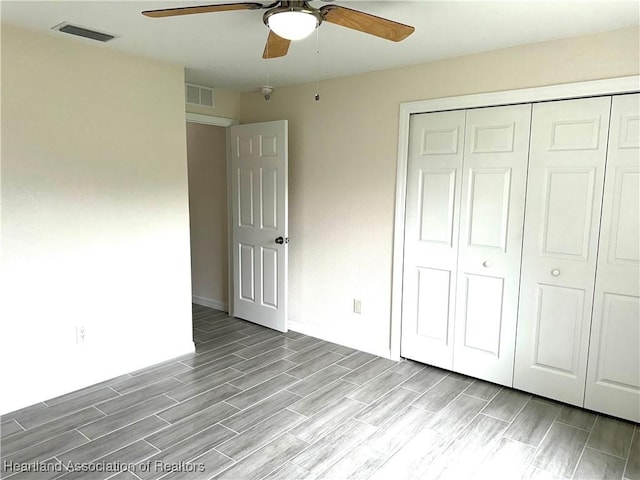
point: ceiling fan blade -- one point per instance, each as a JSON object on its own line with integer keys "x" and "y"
{"x": 276, "y": 46}
{"x": 226, "y": 7}
{"x": 364, "y": 22}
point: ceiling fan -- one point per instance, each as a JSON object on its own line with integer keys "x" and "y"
{"x": 294, "y": 20}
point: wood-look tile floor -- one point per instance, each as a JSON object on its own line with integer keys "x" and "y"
{"x": 253, "y": 403}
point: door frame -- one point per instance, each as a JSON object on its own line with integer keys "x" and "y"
{"x": 611, "y": 86}
{"x": 210, "y": 120}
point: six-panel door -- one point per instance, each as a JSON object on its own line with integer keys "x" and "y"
{"x": 492, "y": 209}
{"x": 564, "y": 194}
{"x": 613, "y": 373}
{"x": 431, "y": 237}
{"x": 258, "y": 176}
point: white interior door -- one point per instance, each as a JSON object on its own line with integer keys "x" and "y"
{"x": 258, "y": 177}
{"x": 613, "y": 373}
{"x": 431, "y": 236}
{"x": 496, "y": 152}
{"x": 564, "y": 197}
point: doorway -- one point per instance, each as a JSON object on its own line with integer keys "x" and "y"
{"x": 208, "y": 217}
{"x": 239, "y": 269}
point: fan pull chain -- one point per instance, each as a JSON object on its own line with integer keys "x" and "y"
{"x": 267, "y": 89}
{"x": 266, "y": 65}
{"x": 317, "y": 96}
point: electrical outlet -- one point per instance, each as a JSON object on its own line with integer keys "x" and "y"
{"x": 80, "y": 334}
{"x": 357, "y": 306}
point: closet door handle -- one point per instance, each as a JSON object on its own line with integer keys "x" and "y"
{"x": 555, "y": 272}
{"x": 486, "y": 264}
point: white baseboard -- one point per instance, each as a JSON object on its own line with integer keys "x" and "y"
{"x": 336, "y": 337}
{"x": 208, "y": 302}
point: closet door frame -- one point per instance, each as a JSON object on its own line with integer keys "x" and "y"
{"x": 612, "y": 86}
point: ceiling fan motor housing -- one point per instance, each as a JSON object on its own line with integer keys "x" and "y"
{"x": 293, "y": 6}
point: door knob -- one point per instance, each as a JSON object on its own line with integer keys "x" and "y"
{"x": 282, "y": 240}
{"x": 486, "y": 264}
{"x": 555, "y": 272}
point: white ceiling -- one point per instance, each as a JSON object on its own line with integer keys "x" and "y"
{"x": 225, "y": 49}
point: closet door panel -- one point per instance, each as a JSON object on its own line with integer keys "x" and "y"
{"x": 434, "y": 286}
{"x": 568, "y": 213}
{"x": 482, "y": 323}
{"x": 488, "y": 207}
{"x": 490, "y": 246}
{"x": 613, "y": 375}
{"x": 431, "y": 236}
{"x": 564, "y": 196}
{"x": 558, "y": 325}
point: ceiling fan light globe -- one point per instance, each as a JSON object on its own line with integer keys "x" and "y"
{"x": 292, "y": 25}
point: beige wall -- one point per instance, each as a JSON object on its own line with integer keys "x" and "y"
{"x": 95, "y": 221}
{"x": 206, "y": 157}
{"x": 342, "y": 168}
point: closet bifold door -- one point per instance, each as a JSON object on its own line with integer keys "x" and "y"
{"x": 613, "y": 373}
{"x": 491, "y": 221}
{"x": 431, "y": 236}
{"x": 562, "y": 216}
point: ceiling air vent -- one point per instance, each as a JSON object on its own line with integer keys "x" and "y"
{"x": 199, "y": 95}
{"x": 79, "y": 31}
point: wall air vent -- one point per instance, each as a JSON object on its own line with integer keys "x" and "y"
{"x": 199, "y": 95}
{"x": 79, "y": 31}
